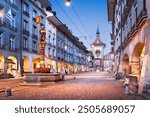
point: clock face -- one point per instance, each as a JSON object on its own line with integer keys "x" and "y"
{"x": 97, "y": 52}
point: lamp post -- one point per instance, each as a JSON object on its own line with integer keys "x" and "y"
{"x": 68, "y": 2}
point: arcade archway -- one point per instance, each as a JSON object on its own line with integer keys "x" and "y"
{"x": 126, "y": 64}
{"x": 137, "y": 59}
{"x": 36, "y": 63}
{"x": 1, "y": 63}
{"x": 11, "y": 64}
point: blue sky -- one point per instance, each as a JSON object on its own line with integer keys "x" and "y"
{"x": 92, "y": 13}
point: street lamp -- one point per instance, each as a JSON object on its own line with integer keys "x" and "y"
{"x": 68, "y": 2}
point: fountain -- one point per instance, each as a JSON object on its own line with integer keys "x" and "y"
{"x": 42, "y": 74}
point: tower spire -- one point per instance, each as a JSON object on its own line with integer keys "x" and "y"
{"x": 97, "y": 32}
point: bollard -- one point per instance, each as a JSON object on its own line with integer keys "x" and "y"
{"x": 8, "y": 91}
{"x": 127, "y": 90}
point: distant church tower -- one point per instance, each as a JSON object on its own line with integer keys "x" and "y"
{"x": 98, "y": 52}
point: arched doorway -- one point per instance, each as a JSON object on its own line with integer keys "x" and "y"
{"x": 137, "y": 59}
{"x": 26, "y": 66}
{"x": 1, "y": 63}
{"x": 126, "y": 65}
{"x": 11, "y": 64}
{"x": 36, "y": 63}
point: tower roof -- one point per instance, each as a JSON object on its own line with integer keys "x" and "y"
{"x": 98, "y": 41}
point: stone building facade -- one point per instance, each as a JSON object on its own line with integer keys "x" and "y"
{"x": 131, "y": 32}
{"x": 19, "y": 38}
{"x": 30, "y": 36}
{"x": 10, "y": 11}
{"x": 71, "y": 54}
{"x": 108, "y": 61}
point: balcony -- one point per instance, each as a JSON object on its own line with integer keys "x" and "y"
{"x": 26, "y": 13}
{"x": 13, "y": 49}
{"x": 25, "y": 31}
{"x": 12, "y": 28}
{"x": 34, "y": 36}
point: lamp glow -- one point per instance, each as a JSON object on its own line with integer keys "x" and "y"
{"x": 1, "y": 14}
{"x": 68, "y": 3}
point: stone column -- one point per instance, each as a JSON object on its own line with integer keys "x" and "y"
{"x": 31, "y": 64}
{"x": 145, "y": 75}
{"x": 5, "y": 66}
{"x": 135, "y": 68}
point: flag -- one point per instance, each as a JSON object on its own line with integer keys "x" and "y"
{"x": 9, "y": 15}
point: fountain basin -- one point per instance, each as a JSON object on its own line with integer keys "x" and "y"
{"x": 43, "y": 77}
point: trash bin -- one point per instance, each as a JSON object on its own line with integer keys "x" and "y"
{"x": 8, "y": 91}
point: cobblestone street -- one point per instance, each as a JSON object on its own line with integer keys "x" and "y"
{"x": 86, "y": 86}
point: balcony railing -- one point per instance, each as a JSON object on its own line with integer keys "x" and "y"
{"x": 34, "y": 36}
{"x": 26, "y": 13}
{"x": 25, "y": 31}
{"x": 12, "y": 28}
{"x": 13, "y": 49}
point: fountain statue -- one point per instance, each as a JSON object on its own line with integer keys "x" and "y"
{"x": 42, "y": 45}
{"x": 42, "y": 74}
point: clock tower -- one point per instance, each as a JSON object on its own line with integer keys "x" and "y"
{"x": 98, "y": 52}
